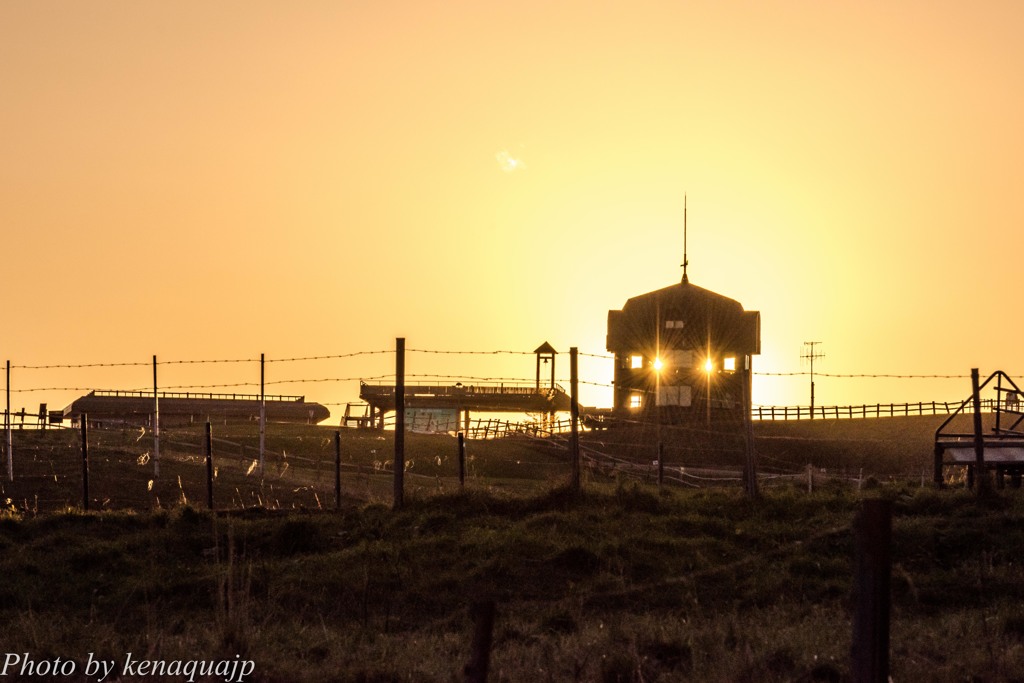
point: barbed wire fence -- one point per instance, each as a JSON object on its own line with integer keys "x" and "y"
{"x": 304, "y": 472}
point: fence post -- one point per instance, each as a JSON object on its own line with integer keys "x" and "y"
{"x": 480, "y": 657}
{"x": 979, "y": 440}
{"x": 337, "y": 470}
{"x": 85, "y": 462}
{"x": 749, "y": 455}
{"x": 574, "y": 414}
{"x": 7, "y": 428}
{"x": 209, "y": 465}
{"x": 263, "y": 415}
{"x": 399, "y": 468}
{"x": 870, "y": 649}
{"x": 462, "y": 461}
{"x": 156, "y": 424}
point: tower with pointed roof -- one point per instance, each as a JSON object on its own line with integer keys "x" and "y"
{"x": 682, "y": 352}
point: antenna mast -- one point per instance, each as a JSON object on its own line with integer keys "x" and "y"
{"x": 686, "y": 261}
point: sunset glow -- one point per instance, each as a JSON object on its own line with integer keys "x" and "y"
{"x": 213, "y": 181}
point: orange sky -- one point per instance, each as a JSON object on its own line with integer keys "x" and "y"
{"x": 206, "y": 180}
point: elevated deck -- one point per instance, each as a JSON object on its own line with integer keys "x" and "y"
{"x": 491, "y": 398}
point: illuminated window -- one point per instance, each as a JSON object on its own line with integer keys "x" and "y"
{"x": 729, "y": 364}
{"x": 634, "y": 401}
{"x": 636, "y": 362}
{"x": 674, "y": 324}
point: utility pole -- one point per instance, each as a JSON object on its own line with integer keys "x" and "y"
{"x": 810, "y": 354}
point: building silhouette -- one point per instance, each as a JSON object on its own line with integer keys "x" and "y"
{"x": 682, "y": 353}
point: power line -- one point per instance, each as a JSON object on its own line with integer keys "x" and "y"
{"x": 472, "y": 353}
{"x": 333, "y": 357}
{"x": 77, "y": 366}
{"x": 860, "y": 375}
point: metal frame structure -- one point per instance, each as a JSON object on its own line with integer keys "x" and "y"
{"x": 1000, "y": 450}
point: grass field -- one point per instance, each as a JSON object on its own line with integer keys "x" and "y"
{"x": 621, "y": 583}
{"x": 299, "y": 467}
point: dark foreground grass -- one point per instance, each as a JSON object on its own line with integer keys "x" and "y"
{"x": 619, "y": 584}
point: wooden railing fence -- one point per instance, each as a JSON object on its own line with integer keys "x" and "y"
{"x": 863, "y": 411}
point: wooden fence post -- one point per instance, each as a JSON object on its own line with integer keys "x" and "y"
{"x": 85, "y": 462}
{"x": 7, "y": 428}
{"x": 156, "y": 424}
{"x": 749, "y": 455}
{"x": 480, "y": 657}
{"x": 981, "y": 475}
{"x": 399, "y": 468}
{"x": 574, "y": 414}
{"x": 462, "y": 460}
{"x": 337, "y": 470}
{"x": 263, "y": 414}
{"x": 209, "y": 465}
{"x": 870, "y": 648}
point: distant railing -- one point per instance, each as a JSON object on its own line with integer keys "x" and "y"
{"x": 864, "y": 411}
{"x": 493, "y": 429}
{"x": 484, "y": 428}
{"x": 188, "y": 395}
{"x": 483, "y": 388}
